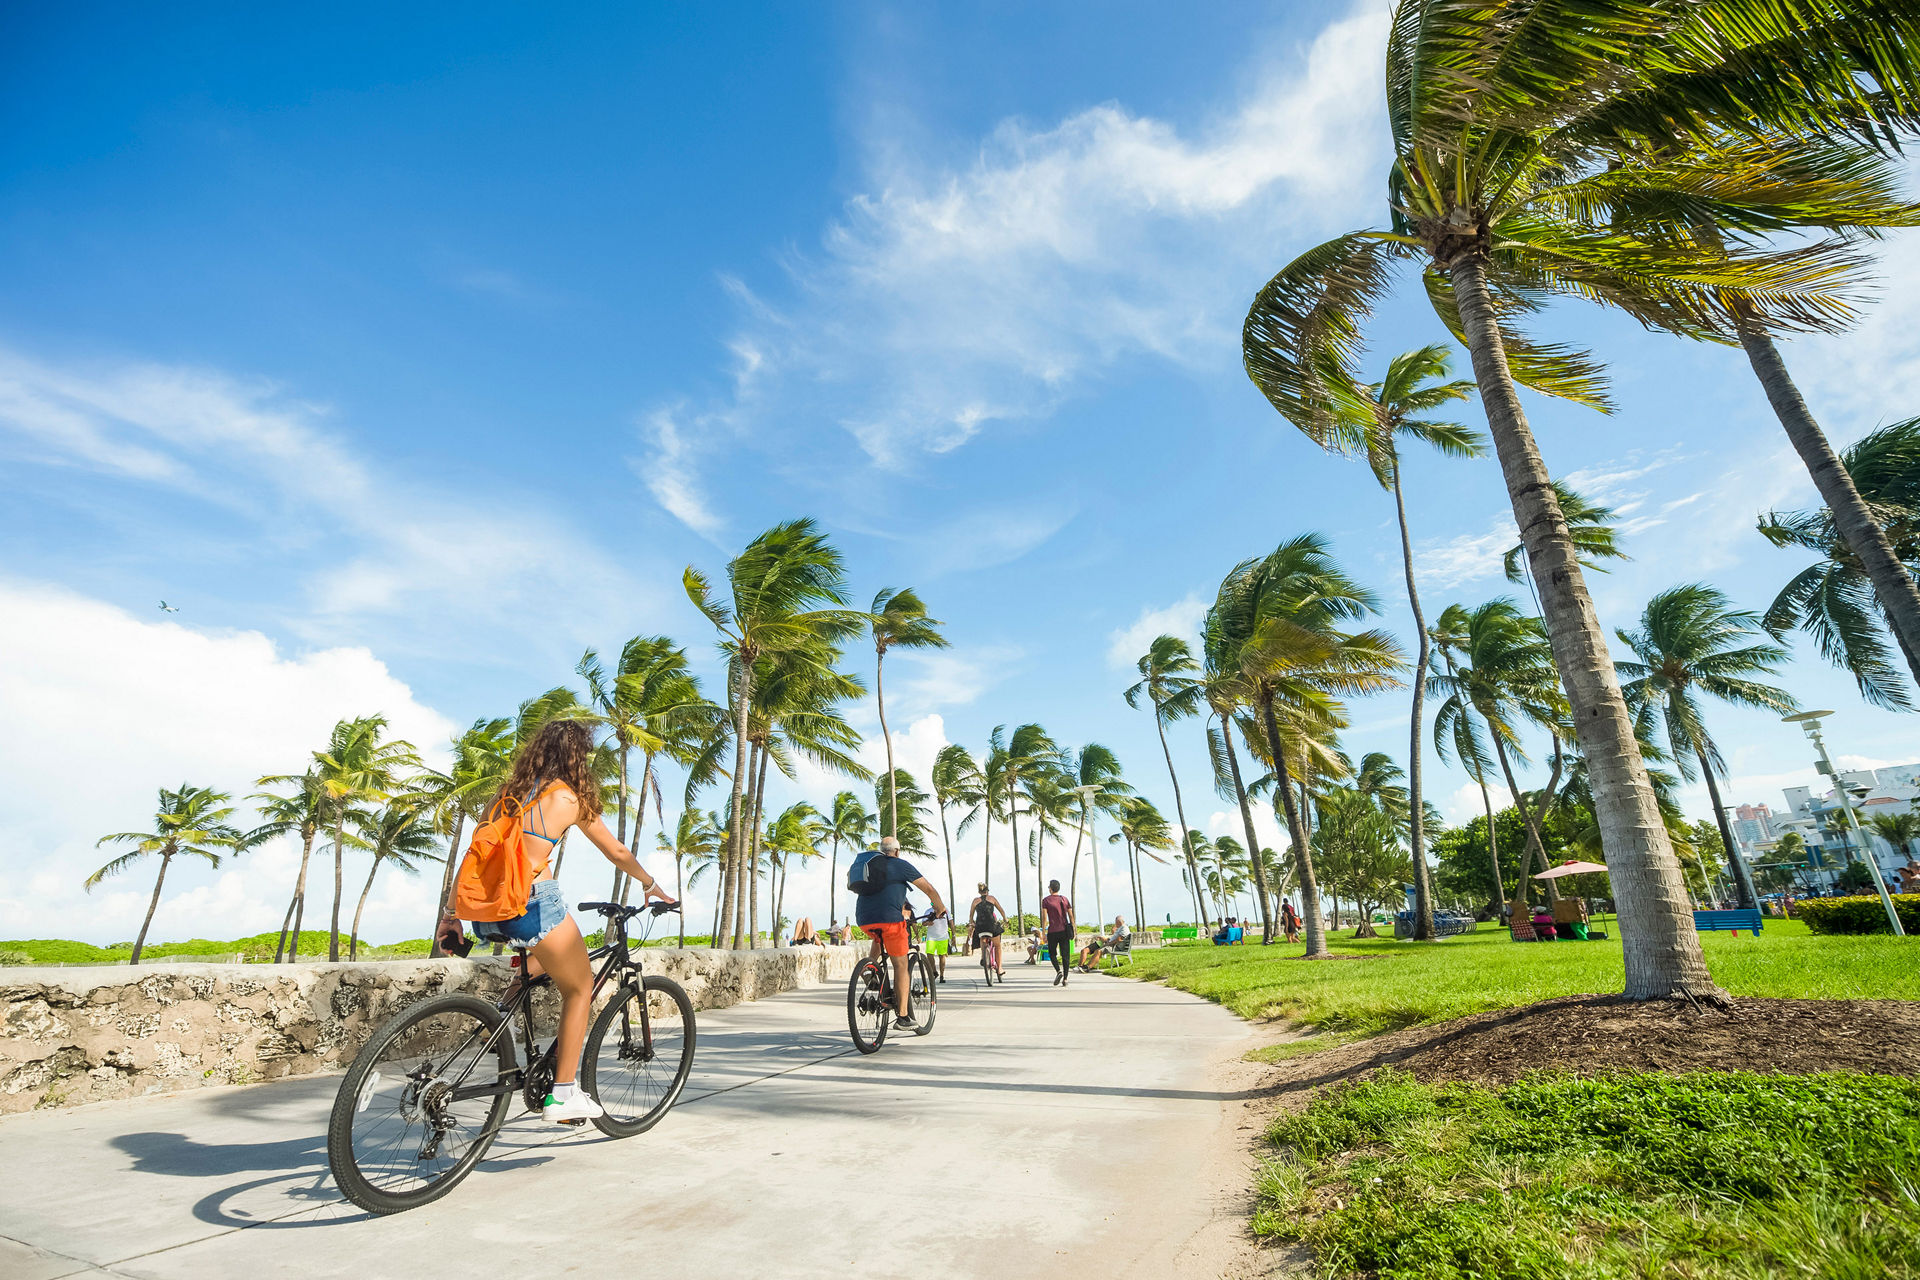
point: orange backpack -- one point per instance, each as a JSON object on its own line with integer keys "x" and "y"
{"x": 496, "y": 877}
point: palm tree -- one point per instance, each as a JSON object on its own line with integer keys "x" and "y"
{"x": 1093, "y": 766}
{"x": 1520, "y": 134}
{"x": 1169, "y": 682}
{"x": 402, "y": 835}
{"x": 1592, "y": 527}
{"x": 911, "y": 831}
{"x": 1277, "y": 620}
{"x": 1024, "y": 761}
{"x": 897, "y": 619}
{"x": 852, "y": 824}
{"x": 796, "y": 833}
{"x": 1051, "y": 806}
{"x": 1505, "y": 675}
{"x": 356, "y": 770}
{"x": 1227, "y": 694}
{"x": 1899, "y": 830}
{"x": 787, "y": 595}
{"x": 1834, "y": 600}
{"x": 1393, "y": 409}
{"x": 696, "y": 839}
{"x": 302, "y": 813}
{"x": 955, "y": 780}
{"x": 189, "y": 822}
{"x": 1691, "y": 641}
{"x": 1144, "y": 830}
{"x": 482, "y": 758}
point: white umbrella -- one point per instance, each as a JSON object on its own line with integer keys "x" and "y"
{"x": 1569, "y": 868}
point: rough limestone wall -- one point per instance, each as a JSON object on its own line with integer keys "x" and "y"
{"x": 71, "y": 1036}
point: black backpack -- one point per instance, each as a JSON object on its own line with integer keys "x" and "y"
{"x": 868, "y": 873}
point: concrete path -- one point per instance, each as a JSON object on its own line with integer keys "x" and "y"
{"x": 1107, "y": 1114}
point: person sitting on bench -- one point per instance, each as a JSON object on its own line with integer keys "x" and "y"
{"x": 1098, "y": 946}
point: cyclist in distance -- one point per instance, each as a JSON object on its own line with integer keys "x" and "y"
{"x": 1059, "y": 914}
{"x": 989, "y": 923}
{"x": 881, "y": 910}
{"x": 553, "y": 778}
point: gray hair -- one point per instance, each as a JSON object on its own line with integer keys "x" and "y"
{"x": 889, "y": 845}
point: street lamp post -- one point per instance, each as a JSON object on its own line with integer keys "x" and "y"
{"x": 1087, "y": 793}
{"x": 1810, "y": 722}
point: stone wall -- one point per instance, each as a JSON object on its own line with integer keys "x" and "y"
{"x": 79, "y": 1035}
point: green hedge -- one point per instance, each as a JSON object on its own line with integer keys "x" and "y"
{"x": 1858, "y": 915}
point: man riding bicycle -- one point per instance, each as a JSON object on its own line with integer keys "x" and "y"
{"x": 880, "y": 907}
{"x": 989, "y": 922}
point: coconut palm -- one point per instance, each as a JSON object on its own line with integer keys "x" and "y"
{"x": 786, "y": 595}
{"x": 356, "y": 770}
{"x": 696, "y": 840}
{"x": 303, "y": 813}
{"x": 1834, "y": 600}
{"x": 1022, "y": 763}
{"x": 1691, "y": 641}
{"x": 1278, "y": 621}
{"x": 849, "y": 824}
{"x": 190, "y": 822}
{"x": 1521, "y": 131}
{"x": 482, "y": 758}
{"x": 955, "y": 780}
{"x": 897, "y": 620}
{"x": 1228, "y": 694}
{"x": 795, "y": 835}
{"x": 1052, "y": 807}
{"x": 1143, "y": 830}
{"x": 402, "y": 835}
{"x": 1899, "y": 830}
{"x": 1093, "y": 766}
{"x": 1169, "y": 683}
{"x": 911, "y": 830}
{"x": 1505, "y": 674}
{"x": 1394, "y": 409}
{"x": 1592, "y": 526}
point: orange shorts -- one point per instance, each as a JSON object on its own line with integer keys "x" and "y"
{"x": 892, "y": 935}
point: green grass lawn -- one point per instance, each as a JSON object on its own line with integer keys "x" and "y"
{"x": 1713, "y": 1175}
{"x": 1398, "y": 984}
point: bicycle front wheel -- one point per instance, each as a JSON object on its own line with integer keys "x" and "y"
{"x": 867, "y": 1012}
{"x": 635, "y": 1067}
{"x": 986, "y": 963}
{"x": 420, "y": 1104}
{"x": 922, "y": 993}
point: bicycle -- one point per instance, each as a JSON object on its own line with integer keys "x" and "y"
{"x": 430, "y": 1090}
{"x": 988, "y": 945}
{"x": 870, "y": 995}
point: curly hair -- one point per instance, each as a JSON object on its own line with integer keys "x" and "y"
{"x": 562, "y": 751}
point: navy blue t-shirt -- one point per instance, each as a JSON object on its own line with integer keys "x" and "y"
{"x": 885, "y": 904}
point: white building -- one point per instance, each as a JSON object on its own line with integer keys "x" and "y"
{"x": 1823, "y": 824}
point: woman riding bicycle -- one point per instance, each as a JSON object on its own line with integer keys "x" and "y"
{"x": 553, "y": 782}
{"x": 989, "y": 922}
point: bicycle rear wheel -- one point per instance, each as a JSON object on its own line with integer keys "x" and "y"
{"x": 986, "y": 962}
{"x": 867, "y": 1014}
{"x": 923, "y": 995}
{"x": 405, "y": 1129}
{"x": 636, "y": 1070}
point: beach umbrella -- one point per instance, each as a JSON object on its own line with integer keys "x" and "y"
{"x": 1571, "y": 867}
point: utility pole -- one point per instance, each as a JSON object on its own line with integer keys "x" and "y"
{"x": 1810, "y": 722}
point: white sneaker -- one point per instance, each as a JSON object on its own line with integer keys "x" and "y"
{"x": 574, "y": 1110}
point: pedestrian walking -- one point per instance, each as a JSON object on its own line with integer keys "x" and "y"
{"x": 1059, "y": 917}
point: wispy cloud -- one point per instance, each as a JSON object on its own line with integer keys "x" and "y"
{"x": 1182, "y": 619}
{"x": 948, "y": 298}
{"x": 1467, "y": 557}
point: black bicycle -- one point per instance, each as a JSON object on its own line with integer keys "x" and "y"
{"x": 425, "y": 1097}
{"x": 870, "y": 993}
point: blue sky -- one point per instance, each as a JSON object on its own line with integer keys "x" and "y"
{"x": 411, "y": 354}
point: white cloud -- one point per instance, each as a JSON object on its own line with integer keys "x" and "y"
{"x": 1182, "y": 619}
{"x": 669, "y": 476}
{"x": 1469, "y": 557}
{"x": 1860, "y": 379}
{"x": 936, "y": 678}
{"x": 103, "y": 709}
{"x": 1465, "y": 804}
{"x": 947, "y": 298}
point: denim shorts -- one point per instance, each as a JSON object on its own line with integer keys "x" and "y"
{"x": 546, "y": 908}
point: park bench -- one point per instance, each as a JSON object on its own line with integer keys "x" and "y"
{"x": 1233, "y": 935}
{"x": 1119, "y": 954}
{"x": 1180, "y": 931}
{"x": 1732, "y": 921}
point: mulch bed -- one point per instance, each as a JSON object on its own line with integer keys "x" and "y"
{"x": 1588, "y": 1035}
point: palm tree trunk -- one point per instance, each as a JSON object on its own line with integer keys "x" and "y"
{"x": 446, "y": 881}
{"x": 946, "y": 843}
{"x": 833, "y": 880}
{"x": 730, "y": 872}
{"x": 297, "y": 907}
{"x": 613, "y": 895}
{"x": 753, "y": 859}
{"x": 353, "y": 938}
{"x": 1253, "y": 841}
{"x": 777, "y": 886}
{"x": 679, "y": 895}
{"x": 1534, "y": 841}
{"x": 1893, "y": 586}
{"x": 1417, "y": 834}
{"x": 280, "y": 948}
{"x": 1493, "y": 855}
{"x": 1312, "y": 923}
{"x": 1749, "y": 899}
{"x": 1013, "y": 837}
{"x": 153, "y": 904}
{"x": 1662, "y": 949}
{"x": 339, "y": 863}
{"x": 893, "y": 784}
{"x": 647, "y": 786}
{"x": 1180, "y": 810}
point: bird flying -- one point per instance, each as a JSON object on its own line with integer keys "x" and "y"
{"x": 167, "y": 608}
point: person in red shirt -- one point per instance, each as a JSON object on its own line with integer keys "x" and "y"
{"x": 1059, "y": 914}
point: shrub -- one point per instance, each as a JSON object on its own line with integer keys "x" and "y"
{"x": 15, "y": 957}
{"x": 1858, "y": 915}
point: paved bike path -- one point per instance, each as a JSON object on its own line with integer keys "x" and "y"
{"x": 1096, "y": 1108}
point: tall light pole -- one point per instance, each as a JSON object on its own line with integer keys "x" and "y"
{"x": 1087, "y": 793}
{"x": 1810, "y": 722}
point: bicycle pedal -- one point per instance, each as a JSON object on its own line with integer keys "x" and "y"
{"x": 571, "y": 1123}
